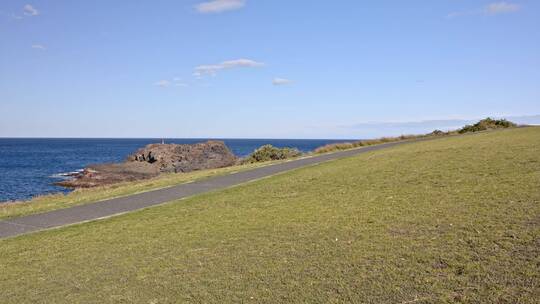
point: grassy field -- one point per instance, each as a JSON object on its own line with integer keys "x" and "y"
{"x": 83, "y": 196}
{"x": 453, "y": 220}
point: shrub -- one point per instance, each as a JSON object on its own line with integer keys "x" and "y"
{"x": 437, "y": 132}
{"x": 269, "y": 152}
{"x": 487, "y": 124}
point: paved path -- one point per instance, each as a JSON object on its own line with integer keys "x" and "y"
{"x": 115, "y": 206}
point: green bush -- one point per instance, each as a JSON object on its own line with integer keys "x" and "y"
{"x": 269, "y": 152}
{"x": 487, "y": 124}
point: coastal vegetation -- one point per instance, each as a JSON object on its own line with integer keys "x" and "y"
{"x": 452, "y": 220}
{"x": 364, "y": 143}
{"x": 269, "y": 153}
{"x": 487, "y": 124}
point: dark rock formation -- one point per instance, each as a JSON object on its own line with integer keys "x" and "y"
{"x": 185, "y": 158}
{"x": 154, "y": 159}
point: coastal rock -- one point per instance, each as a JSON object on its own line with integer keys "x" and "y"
{"x": 106, "y": 174}
{"x": 152, "y": 160}
{"x": 185, "y": 158}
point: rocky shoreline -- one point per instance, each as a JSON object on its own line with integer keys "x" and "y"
{"x": 153, "y": 160}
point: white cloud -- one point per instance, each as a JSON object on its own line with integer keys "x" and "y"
{"x": 281, "y": 81}
{"x": 38, "y": 46}
{"x": 494, "y": 8}
{"x": 163, "y": 83}
{"x": 463, "y": 13}
{"x": 241, "y": 63}
{"x": 29, "y": 10}
{"x": 501, "y": 8}
{"x": 218, "y": 6}
{"x": 212, "y": 69}
{"x": 176, "y": 82}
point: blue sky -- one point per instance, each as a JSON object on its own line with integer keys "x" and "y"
{"x": 262, "y": 68}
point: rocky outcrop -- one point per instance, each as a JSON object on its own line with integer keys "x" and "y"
{"x": 106, "y": 174}
{"x": 185, "y": 158}
{"x": 152, "y": 160}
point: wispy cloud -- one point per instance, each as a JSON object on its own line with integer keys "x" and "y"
{"x": 176, "y": 82}
{"x": 213, "y": 69}
{"x": 163, "y": 83}
{"x": 281, "y": 81}
{"x": 39, "y": 47}
{"x": 495, "y": 8}
{"x": 444, "y": 124}
{"x": 463, "y": 13}
{"x": 29, "y": 10}
{"x": 502, "y": 8}
{"x": 218, "y": 6}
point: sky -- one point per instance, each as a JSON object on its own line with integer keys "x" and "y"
{"x": 263, "y": 68}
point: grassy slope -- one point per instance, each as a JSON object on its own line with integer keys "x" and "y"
{"x": 451, "y": 220}
{"x": 83, "y": 196}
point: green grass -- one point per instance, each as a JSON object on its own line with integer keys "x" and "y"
{"x": 84, "y": 196}
{"x": 445, "y": 221}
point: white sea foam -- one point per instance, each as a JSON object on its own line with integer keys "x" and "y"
{"x": 66, "y": 175}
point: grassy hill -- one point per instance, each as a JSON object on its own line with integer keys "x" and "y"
{"x": 455, "y": 219}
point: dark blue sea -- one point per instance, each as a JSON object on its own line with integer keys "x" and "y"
{"x": 30, "y": 166}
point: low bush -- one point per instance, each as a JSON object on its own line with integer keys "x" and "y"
{"x": 437, "y": 133}
{"x": 487, "y": 124}
{"x": 269, "y": 152}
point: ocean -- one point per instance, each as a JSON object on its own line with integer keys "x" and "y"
{"x": 30, "y": 166}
